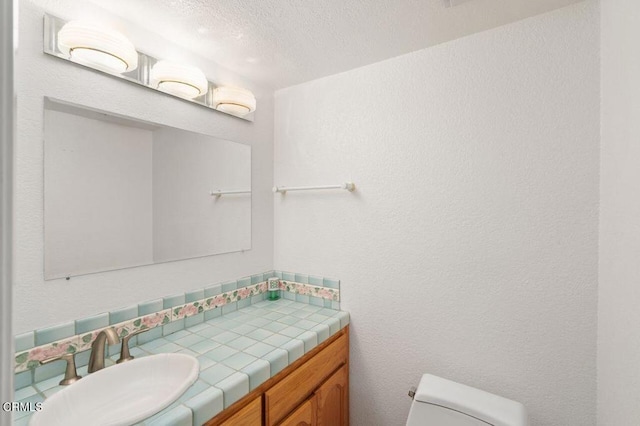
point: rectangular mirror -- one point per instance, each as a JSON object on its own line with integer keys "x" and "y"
{"x": 120, "y": 192}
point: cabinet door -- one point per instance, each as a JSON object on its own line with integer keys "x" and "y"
{"x": 333, "y": 399}
{"x": 250, "y": 415}
{"x": 304, "y": 415}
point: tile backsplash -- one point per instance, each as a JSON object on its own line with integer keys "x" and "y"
{"x": 160, "y": 317}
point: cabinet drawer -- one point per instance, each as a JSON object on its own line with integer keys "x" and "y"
{"x": 287, "y": 394}
{"x": 250, "y": 415}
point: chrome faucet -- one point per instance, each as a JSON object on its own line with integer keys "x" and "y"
{"x": 96, "y": 359}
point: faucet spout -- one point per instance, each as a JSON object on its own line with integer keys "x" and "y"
{"x": 96, "y": 359}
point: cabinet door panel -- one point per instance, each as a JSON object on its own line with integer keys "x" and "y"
{"x": 333, "y": 408}
{"x": 304, "y": 415}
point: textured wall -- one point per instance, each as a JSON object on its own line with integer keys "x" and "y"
{"x": 469, "y": 249}
{"x": 38, "y": 303}
{"x": 619, "y": 290}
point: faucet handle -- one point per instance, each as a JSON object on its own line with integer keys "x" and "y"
{"x": 70, "y": 374}
{"x": 124, "y": 350}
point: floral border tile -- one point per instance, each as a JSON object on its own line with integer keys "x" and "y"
{"x": 187, "y": 310}
{"x": 311, "y": 290}
{"x": 31, "y": 359}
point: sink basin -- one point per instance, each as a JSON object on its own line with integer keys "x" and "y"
{"x": 122, "y": 394}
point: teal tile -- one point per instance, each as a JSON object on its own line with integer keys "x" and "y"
{"x": 289, "y": 320}
{"x": 330, "y": 283}
{"x": 289, "y": 295}
{"x": 301, "y": 313}
{"x": 216, "y": 373}
{"x": 288, "y": 276}
{"x": 259, "y": 334}
{"x": 239, "y": 360}
{"x": 205, "y": 362}
{"x": 302, "y": 298}
{"x": 205, "y": 405}
{"x": 86, "y": 325}
{"x": 259, "y": 349}
{"x": 276, "y": 340}
{"x": 194, "y": 296}
{"x": 327, "y": 303}
{"x": 212, "y": 313}
{"x": 229, "y": 307}
{"x": 82, "y": 358}
{"x": 310, "y": 340}
{"x": 316, "y": 301}
{"x": 23, "y": 379}
{"x": 188, "y": 352}
{"x": 175, "y": 300}
{"x": 194, "y": 320}
{"x": 335, "y": 305}
{"x": 244, "y": 282}
{"x": 24, "y": 392}
{"x": 57, "y": 332}
{"x": 295, "y": 349}
{"x": 234, "y": 387}
{"x": 172, "y": 327}
{"x": 224, "y": 336}
{"x": 313, "y": 280}
{"x": 197, "y": 327}
{"x": 221, "y": 353}
{"x": 244, "y": 303}
{"x": 154, "y": 344}
{"x": 258, "y": 322}
{"x": 291, "y": 331}
{"x": 322, "y": 331}
{"x": 150, "y": 307}
{"x": 22, "y": 421}
{"x": 149, "y": 336}
{"x": 44, "y": 385}
{"x": 302, "y": 278}
{"x": 278, "y": 274}
{"x": 255, "y": 279}
{"x": 123, "y": 314}
{"x": 306, "y": 324}
{"x": 53, "y": 390}
{"x": 204, "y": 346}
{"x": 343, "y": 317}
{"x": 243, "y": 329}
{"x": 210, "y": 331}
{"x": 278, "y": 360}
{"x": 258, "y": 372}
{"x": 48, "y": 371}
{"x": 334, "y": 325}
{"x": 188, "y": 341}
{"x": 276, "y": 326}
{"x": 229, "y": 286}
{"x": 213, "y": 290}
{"x": 241, "y": 343}
{"x": 166, "y": 349}
{"x": 194, "y": 390}
{"x": 178, "y": 416}
{"x": 24, "y": 341}
{"x": 257, "y": 298}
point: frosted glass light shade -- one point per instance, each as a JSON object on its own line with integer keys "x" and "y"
{"x": 97, "y": 47}
{"x": 177, "y": 79}
{"x": 234, "y": 100}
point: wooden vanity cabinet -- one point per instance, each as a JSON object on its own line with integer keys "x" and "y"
{"x": 313, "y": 391}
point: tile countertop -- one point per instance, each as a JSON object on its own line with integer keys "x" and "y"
{"x": 237, "y": 352}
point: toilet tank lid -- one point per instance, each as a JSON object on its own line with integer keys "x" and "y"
{"x": 477, "y": 403}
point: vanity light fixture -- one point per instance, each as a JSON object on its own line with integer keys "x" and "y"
{"x": 177, "y": 79}
{"x": 97, "y": 46}
{"x": 234, "y": 100}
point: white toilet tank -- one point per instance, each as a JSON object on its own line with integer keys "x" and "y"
{"x": 441, "y": 402}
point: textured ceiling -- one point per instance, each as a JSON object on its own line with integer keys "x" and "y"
{"x": 285, "y": 42}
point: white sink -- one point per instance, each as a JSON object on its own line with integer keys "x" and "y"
{"x": 122, "y": 394}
